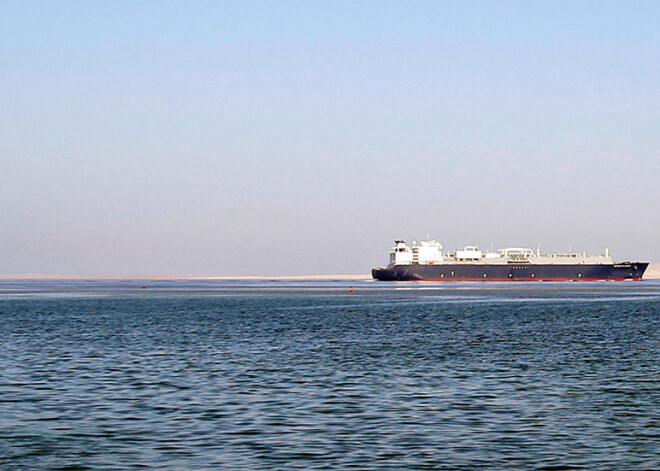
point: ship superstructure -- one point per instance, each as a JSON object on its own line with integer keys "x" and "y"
{"x": 427, "y": 261}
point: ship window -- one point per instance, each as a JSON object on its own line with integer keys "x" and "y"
{"x": 533, "y": 275}
{"x": 510, "y": 275}
{"x": 442, "y": 275}
{"x": 485, "y": 275}
{"x": 452, "y": 273}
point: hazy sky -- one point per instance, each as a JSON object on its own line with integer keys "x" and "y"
{"x": 222, "y": 138}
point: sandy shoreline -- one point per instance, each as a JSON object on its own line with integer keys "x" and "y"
{"x": 189, "y": 278}
{"x": 652, "y": 273}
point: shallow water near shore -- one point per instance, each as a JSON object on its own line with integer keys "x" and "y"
{"x": 306, "y": 375}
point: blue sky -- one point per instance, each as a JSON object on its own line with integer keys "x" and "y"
{"x": 237, "y": 138}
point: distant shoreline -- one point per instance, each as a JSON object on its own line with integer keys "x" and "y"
{"x": 189, "y": 278}
{"x": 652, "y": 273}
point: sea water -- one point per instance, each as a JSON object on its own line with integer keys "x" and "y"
{"x": 307, "y": 375}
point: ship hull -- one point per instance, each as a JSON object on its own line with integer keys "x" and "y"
{"x": 512, "y": 272}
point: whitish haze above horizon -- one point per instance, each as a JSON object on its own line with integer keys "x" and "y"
{"x": 267, "y": 138}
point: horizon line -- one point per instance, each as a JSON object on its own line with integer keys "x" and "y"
{"x": 30, "y": 277}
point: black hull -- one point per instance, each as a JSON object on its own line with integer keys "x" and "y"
{"x": 513, "y": 272}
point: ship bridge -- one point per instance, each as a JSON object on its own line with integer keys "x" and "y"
{"x": 428, "y": 252}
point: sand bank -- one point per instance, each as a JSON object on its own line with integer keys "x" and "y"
{"x": 191, "y": 278}
{"x": 652, "y": 272}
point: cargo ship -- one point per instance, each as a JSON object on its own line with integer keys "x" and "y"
{"x": 427, "y": 261}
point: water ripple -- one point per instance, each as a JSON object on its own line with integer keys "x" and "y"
{"x": 387, "y": 379}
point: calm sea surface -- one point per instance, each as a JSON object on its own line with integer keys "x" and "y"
{"x": 304, "y": 375}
